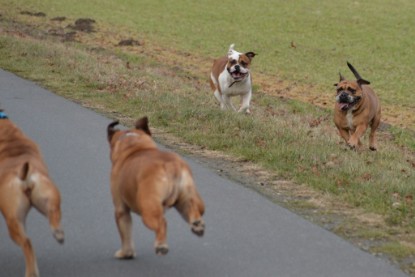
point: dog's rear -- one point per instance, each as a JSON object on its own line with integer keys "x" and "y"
{"x": 149, "y": 181}
{"x": 24, "y": 182}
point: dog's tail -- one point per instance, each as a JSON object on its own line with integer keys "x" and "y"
{"x": 359, "y": 79}
{"x": 24, "y": 176}
{"x": 24, "y": 172}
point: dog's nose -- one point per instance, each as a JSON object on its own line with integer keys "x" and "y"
{"x": 237, "y": 68}
{"x": 344, "y": 97}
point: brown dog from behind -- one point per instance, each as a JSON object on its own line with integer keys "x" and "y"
{"x": 148, "y": 181}
{"x": 24, "y": 182}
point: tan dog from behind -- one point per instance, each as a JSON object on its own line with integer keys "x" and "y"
{"x": 148, "y": 181}
{"x": 24, "y": 182}
{"x": 357, "y": 108}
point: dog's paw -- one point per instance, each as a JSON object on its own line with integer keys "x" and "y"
{"x": 125, "y": 255}
{"x": 198, "y": 227}
{"x": 33, "y": 274}
{"x": 59, "y": 236}
{"x": 162, "y": 249}
{"x": 352, "y": 146}
{"x": 373, "y": 148}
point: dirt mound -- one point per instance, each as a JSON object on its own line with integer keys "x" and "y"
{"x": 84, "y": 25}
{"x": 37, "y": 14}
{"x": 129, "y": 42}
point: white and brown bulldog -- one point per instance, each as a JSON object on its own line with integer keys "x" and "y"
{"x": 147, "y": 181}
{"x": 230, "y": 76}
{"x": 357, "y": 108}
{"x": 24, "y": 182}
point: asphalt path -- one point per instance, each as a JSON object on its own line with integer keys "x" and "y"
{"x": 246, "y": 234}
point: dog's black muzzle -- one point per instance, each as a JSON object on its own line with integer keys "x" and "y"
{"x": 344, "y": 98}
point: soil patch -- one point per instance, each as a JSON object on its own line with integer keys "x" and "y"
{"x": 37, "y": 14}
{"x": 130, "y": 42}
{"x": 84, "y": 25}
{"x": 59, "y": 18}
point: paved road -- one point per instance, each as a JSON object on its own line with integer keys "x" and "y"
{"x": 246, "y": 235}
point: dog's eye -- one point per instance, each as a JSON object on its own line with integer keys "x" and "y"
{"x": 244, "y": 64}
{"x": 232, "y": 62}
{"x": 353, "y": 91}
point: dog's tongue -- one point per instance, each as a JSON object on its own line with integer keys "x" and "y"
{"x": 343, "y": 106}
{"x": 237, "y": 75}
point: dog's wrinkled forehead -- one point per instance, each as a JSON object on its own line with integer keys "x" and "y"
{"x": 347, "y": 85}
{"x": 234, "y": 55}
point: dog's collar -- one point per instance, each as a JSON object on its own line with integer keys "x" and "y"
{"x": 237, "y": 81}
{"x": 233, "y": 83}
{"x": 128, "y": 134}
{"x": 3, "y": 115}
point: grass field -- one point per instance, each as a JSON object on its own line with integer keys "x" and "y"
{"x": 376, "y": 36}
{"x": 167, "y": 79}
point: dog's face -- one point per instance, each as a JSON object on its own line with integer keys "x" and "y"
{"x": 348, "y": 94}
{"x": 238, "y": 63}
{"x": 122, "y": 141}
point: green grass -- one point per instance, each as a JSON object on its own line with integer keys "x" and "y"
{"x": 282, "y": 142}
{"x": 376, "y": 36}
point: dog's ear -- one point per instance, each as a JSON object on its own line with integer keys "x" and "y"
{"x": 110, "y": 129}
{"x": 363, "y": 82}
{"x": 230, "y": 51}
{"x": 360, "y": 80}
{"x": 341, "y": 77}
{"x": 142, "y": 124}
{"x": 250, "y": 55}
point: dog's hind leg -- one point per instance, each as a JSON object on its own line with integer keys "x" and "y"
{"x": 17, "y": 233}
{"x": 46, "y": 199}
{"x": 15, "y": 211}
{"x": 372, "y": 137}
{"x": 190, "y": 205}
{"x": 218, "y": 97}
{"x": 124, "y": 225}
{"x": 153, "y": 218}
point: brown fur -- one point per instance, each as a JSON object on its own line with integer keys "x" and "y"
{"x": 217, "y": 68}
{"x": 24, "y": 182}
{"x": 352, "y": 124}
{"x": 147, "y": 181}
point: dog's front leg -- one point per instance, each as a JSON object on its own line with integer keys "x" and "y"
{"x": 354, "y": 139}
{"x": 124, "y": 225}
{"x": 227, "y": 102}
{"x": 218, "y": 96}
{"x": 345, "y": 134}
{"x": 245, "y": 101}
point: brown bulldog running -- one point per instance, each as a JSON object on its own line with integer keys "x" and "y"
{"x": 24, "y": 182}
{"x": 357, "y": 108}
{"x": 148, "y": 181}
